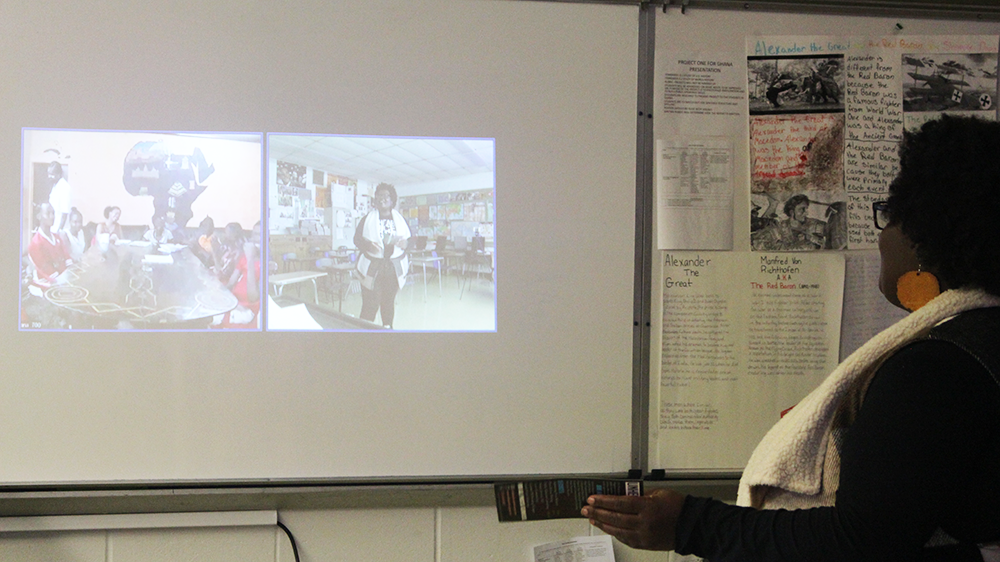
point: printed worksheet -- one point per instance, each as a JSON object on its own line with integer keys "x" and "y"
{"x": 700, "y": 117}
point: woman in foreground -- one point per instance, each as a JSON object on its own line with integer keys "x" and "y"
{"x": 896, "y": 455}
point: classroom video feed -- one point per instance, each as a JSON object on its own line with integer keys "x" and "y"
{"x": 127, "y": 230}
{"x": 381, "y": 233}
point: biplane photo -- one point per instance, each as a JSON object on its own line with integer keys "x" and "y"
{"x": 965, "y": 82}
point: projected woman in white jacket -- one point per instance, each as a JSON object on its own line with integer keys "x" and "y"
{"x": 381, "y": 237}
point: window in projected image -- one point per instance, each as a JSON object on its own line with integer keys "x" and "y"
{"x": 136, "y": 230}
{"x": 381, "y": 233}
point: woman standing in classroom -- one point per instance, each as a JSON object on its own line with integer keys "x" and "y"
{"x": 381, "y": 237}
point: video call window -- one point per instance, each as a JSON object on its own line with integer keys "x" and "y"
{"x": 129, "y": 230}
{"x": 381, "y": 233}
{"x": 132, "y": 230}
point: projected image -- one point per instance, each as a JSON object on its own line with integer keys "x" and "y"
{"x": 124, "y": 230}
{"x": 381, "y": 233}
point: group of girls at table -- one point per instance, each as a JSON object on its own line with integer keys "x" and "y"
{"x": 52, "y": 249}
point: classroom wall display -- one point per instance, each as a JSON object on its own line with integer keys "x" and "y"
{"x": 431, "y": 221}
{"x": 826, "y": 115}
{"x": 813, "y": 121}
{"x": 821, "y": 116}
{"x": 745, "y": 336}
{"x": 543, "y": 375}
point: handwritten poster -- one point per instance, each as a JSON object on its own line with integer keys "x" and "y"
{"x": 796, "y": 102}
{"x": 815, "y": 193}
{"x": 745, "y": 336}
{"x": 899, "y": 83}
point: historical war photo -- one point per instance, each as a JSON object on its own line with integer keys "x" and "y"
{"x": 795, "y": 84}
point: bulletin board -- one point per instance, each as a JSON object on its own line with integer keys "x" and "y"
{"x": 759, "y": 115}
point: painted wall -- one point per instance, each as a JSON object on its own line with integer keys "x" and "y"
{"x": 449, "y": 534}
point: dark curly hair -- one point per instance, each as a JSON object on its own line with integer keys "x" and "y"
{"x": 387, "y": 187}
{"x": 946, "y": 199}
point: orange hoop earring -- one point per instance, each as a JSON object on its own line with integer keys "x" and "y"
{"x": 917, "y": 288}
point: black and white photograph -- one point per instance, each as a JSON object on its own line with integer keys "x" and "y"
{"x": 794, "y": 222}
{"x": 805, "y": 84}
{"x": 950, "y": 82}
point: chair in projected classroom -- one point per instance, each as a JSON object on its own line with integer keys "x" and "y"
{"x": 354, "y": 287}
{"x": 478, "y": 261}
{"x": 455, "y": 256}
{"x": 418, "y": 247}
{"x": 337, "y": 282}
{"x": 341, "y": 254}
{"x": 423, "y": 267}
{"x": 440, "y": 244}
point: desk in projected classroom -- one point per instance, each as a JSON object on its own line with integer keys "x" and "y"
{"x": 423, "y": 262}
{"x": 134, "y": 282}
{"x": 280, "y": 280}
{"x": 327, "y": 318}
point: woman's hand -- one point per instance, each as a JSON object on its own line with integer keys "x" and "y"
{"x": 647, "y": 522}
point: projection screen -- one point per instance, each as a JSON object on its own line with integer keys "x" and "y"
{"x": 244, "y": 350}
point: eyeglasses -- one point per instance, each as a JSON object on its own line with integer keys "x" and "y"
{"x": 880, "y": 212}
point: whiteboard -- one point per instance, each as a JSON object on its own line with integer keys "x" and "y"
{"x": 553, "y": 83}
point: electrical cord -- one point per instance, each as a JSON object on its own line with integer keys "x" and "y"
{"x": 291, "y": 539}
